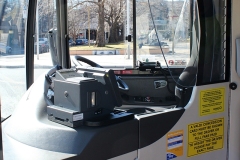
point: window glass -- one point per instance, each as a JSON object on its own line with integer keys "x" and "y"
{"x": 163, "y": 32}
{"x": 45, "y": 22}
{"x": 13, "y": 17}
{"x": 101, "y": 36}
{"x": 98, "y": 31}
{"x": 112, "y": 49}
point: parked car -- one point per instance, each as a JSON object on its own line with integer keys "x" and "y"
{"x": 43, "y": 39}
{"x": 43, "y": 47}
{"x": 156, "y": 43}
{"x": 79, "y": 42}
{"x": 9, "y": 50}
{"x": 85, "y": 41}
{"x": 4, "y": 49}
{"x": 72, "y": 42}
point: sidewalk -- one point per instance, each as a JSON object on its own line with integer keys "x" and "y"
{"x": 18, "y": 61}
{"x": 111, "y": 61}
{"x": 45, "y": 61}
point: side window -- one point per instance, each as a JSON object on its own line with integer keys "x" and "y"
{"x": 45, "y": 21}
{"x": 13, "y": 17}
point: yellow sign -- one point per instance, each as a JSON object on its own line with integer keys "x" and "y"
{"x": 212, "y": 101}
{"x": 174, "y": 144}
{"x": 205, "y": 136}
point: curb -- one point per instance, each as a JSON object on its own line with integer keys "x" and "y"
{"x": 23, "y": 66}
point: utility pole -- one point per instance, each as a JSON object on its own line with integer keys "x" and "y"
{"x": 37, "y": 32}
{"x": 48, "y": 16}
{"x": 128, "y": 29}
{"x": 88, "y": 26}
{"x": 172, "y": 30}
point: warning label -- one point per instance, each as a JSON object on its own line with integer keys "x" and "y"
{"x": 205, "y": 136}
{"x": 212, "y": 101}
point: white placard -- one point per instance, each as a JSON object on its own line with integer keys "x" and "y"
{"x": 77, "y": 117}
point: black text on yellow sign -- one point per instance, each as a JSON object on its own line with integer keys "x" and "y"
{"x": 212, "y": 101}
{"x": 205, "y": 136}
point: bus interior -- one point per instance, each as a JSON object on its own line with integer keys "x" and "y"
{"x": 119, "y": 79}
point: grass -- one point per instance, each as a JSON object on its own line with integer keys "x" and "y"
{"x": 109, "y": 46}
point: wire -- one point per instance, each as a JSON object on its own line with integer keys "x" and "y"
{"x": 168, "y": 83}
{"x": 162, "y": 49}
{"x": 5, "y": 118}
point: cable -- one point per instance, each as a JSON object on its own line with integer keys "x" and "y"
{"x": 5, "y": 118}
{"x": 168, "y": 83}
{"x": 162, "y": 49}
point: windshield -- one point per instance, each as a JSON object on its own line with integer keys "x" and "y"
{"x": 104, "y": 32}
{"x": 162, "y": 32}
{"x": 98, "y": 31}
{"x": 166, "y": 37}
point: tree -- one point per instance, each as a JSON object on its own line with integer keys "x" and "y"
{"x": 46, "y": 11}
{"x": 114, "y": 12}
{"x": 109, "y": 12}
{"x": 100, "y": 41}
{"x": 77, "y": 18}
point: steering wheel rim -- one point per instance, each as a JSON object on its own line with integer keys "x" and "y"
{"x": 121, "y": 84}
{"x": 85, "y": 60}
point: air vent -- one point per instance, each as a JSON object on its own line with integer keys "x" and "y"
{"x": 160, "y": 84}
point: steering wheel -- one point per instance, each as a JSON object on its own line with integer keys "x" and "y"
{"x": 121, "y": 84}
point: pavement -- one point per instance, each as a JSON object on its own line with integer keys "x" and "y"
{"x": 44, "y": 60}
{"x": 18, "y": 61}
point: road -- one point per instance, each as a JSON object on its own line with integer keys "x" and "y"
{"x": 13, "y": 86}
{"x": 13, "y": 78}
